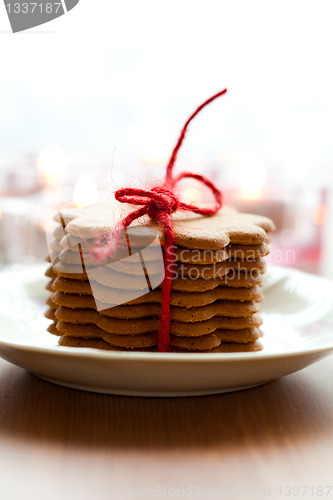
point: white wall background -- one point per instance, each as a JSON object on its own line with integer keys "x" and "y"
{"x": 128, "y": 73}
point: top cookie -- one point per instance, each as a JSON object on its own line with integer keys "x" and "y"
{"x": 191, "y": 231}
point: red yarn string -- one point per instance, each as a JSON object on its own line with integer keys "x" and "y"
{"x": 173, "y": 157}
{"x": 159, "y": 203}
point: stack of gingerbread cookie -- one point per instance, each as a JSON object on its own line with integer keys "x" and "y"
{"x": 115, "y": 302}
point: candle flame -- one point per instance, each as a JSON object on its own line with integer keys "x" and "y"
{"x": 154, "y": 149}
{"x": 191, "y": 196}
{"x": 320, "y": 214}
{"x": 85, "y": 190}
{"x": 252, "y": 177}
{"x": 52, "y": 165}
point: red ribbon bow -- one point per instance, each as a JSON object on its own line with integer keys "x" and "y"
{"x": 159, "y": 203}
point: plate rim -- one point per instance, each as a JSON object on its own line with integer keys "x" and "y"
{"x": 89, "y": 353}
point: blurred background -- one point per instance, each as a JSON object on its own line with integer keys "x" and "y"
{"x": 95, "y": 100}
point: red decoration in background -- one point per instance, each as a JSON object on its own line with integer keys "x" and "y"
{"x": 159, "y": 203}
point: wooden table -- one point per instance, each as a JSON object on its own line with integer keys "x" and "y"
{"x": 59, "y": 443}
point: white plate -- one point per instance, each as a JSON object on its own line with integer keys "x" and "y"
{"x": 298, "y": 330}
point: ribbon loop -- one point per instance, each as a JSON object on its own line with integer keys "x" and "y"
{"x": 216, "y": 192}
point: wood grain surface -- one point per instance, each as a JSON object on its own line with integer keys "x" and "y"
{"x": 59, "y": 443}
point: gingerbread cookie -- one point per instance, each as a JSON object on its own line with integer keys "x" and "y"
{"x": 197, "y": 232}
{"x": 143, "y": 341}
{"x": 228, "y": 347}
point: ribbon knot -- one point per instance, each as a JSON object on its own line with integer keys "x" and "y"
{"x": 159, "y": 203}
{"x": 154, "y": 202}
{"x": 164, "y": 200}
